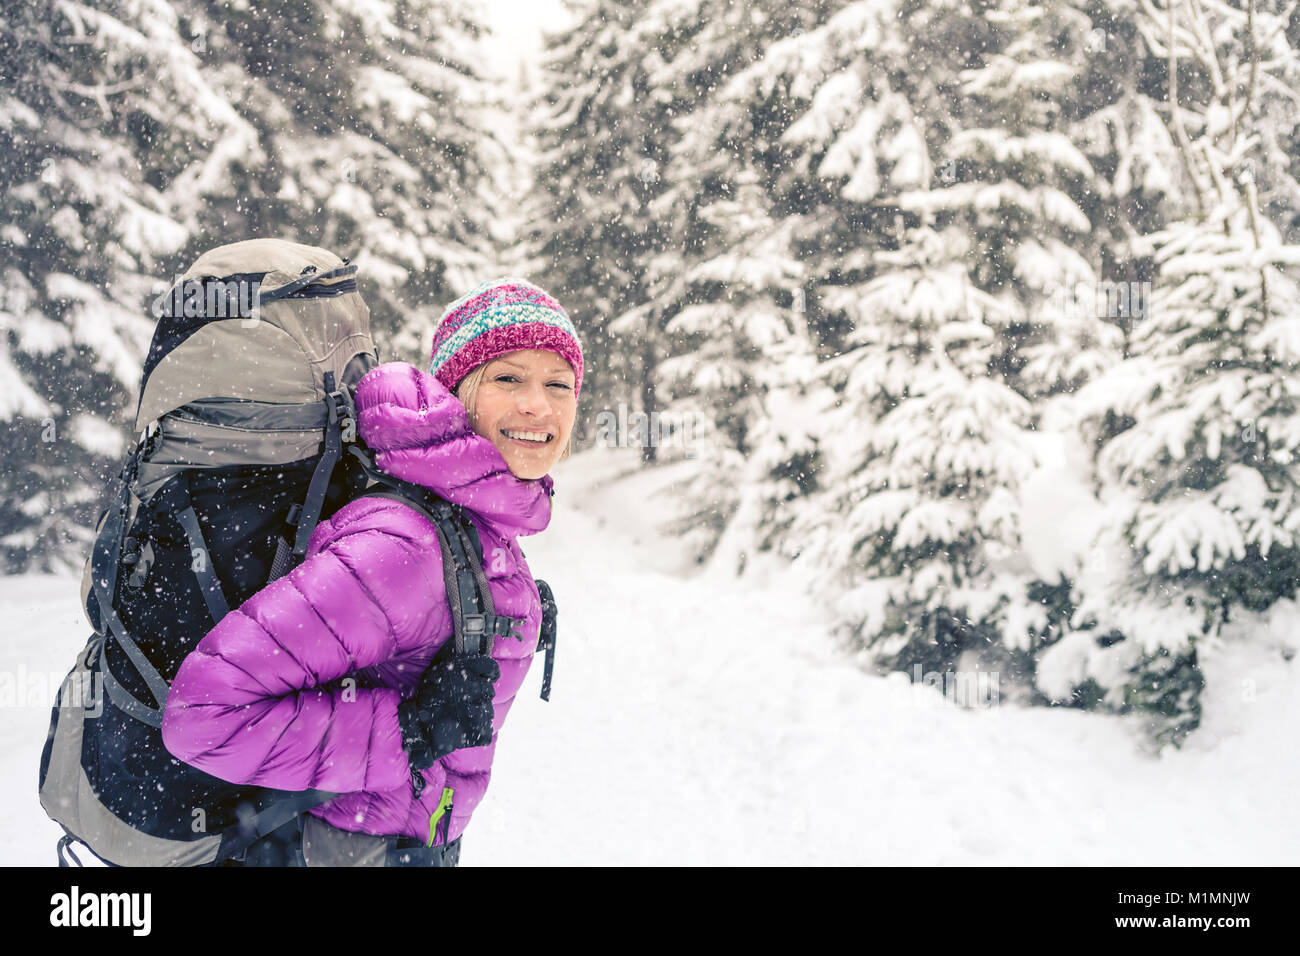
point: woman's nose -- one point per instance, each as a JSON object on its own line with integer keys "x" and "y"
{"x": 533, "y": 400}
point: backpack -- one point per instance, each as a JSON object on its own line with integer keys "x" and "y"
{"x": 247, "y": 439}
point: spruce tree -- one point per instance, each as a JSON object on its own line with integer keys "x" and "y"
{"x": 375, "y": 139}
{"x": 103, "y": 104}
{"x": 1199, "y": 428}
{"x": 601, "y": 132}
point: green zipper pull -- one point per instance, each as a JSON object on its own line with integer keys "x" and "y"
{"x": 443, "y": 806}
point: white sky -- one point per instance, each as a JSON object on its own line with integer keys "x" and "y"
{"x": 518, "y": 24}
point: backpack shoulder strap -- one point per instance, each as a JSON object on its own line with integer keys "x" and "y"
{"x": 473, "y": 612}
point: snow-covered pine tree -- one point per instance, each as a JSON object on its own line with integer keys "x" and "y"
{"x": 1019, "y": 184}
{"x": 1003, "y": 100}
{"x": 365, "y": 128}
{"x": 739, "y": 346}
{"x": 917, "y": 535}
{"x": 602, "y": 130}
{"x": 100, "y": 107}
{"x": 1045, "y": 226}
{"x": 1200, "y": 428}
{"x": 1112, "y": 115}
{"x": 377, "y": 140}
{"x": 843, "y": 128}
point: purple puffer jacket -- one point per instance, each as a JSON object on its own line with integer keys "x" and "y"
{"x": 261, "y": 699}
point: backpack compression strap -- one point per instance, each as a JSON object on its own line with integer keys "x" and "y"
{"x": 105, "y": 562}
{"x": 340, "y": 427}
{"x": 254, "y": 826}
{"x": 175, "y": 498}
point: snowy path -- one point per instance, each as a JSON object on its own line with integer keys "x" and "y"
{"x": 700, "y": 720}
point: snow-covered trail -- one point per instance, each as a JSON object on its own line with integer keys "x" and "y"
{"x": 705, "y": 720}
{"x": 697, "y": 719}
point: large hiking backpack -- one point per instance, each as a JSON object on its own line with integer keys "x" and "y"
{"x": 247, "y": 438}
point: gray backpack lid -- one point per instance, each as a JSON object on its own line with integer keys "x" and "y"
{"x": 237, "y": 367}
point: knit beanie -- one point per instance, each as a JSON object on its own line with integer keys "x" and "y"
{"x": 497, "y": 317}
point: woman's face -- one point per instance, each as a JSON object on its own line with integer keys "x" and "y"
{"x": 525, "y": 406}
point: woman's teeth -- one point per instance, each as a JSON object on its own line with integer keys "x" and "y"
{"x": 540, "y": 438}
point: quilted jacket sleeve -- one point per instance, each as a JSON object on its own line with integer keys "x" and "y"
{"x": 263, "y": 698}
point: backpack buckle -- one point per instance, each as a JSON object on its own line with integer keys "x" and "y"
{"x": 139, "y": 560}
{"x": 343, "y": 410}
{"x": 502, "y": 626}
{"x": 478, "y": 628}
{"x": 475, "y": 631}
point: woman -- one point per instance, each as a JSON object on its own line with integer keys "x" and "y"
{"x": 322, "y": 680}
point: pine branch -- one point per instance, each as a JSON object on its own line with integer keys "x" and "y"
{"x": 100, "y": 92}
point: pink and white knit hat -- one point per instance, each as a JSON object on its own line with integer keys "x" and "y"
{"x": 497, "y": 317}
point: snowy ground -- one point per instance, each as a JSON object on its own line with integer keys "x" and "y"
{"x": 697, "y": 719}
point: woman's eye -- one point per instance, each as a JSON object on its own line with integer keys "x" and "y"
{"x": 564, "y": 385}
{"x": 506, "y": 378}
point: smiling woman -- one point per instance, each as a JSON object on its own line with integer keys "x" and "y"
{"x": 408, "y": 752}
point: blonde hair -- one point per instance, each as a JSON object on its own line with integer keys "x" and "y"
{"x": 467, "y": 392}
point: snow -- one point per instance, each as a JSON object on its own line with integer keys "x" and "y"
{"x": 697, "y": 718}
{"x": 1060, "y": 516}
{"x": 838, "y": 99}
{"x": 380, "y": 90}
{"x": 97, "y": 435}
{"x": 18, "y": 399}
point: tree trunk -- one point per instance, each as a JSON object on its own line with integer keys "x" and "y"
{"x": 648, "y": 405}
